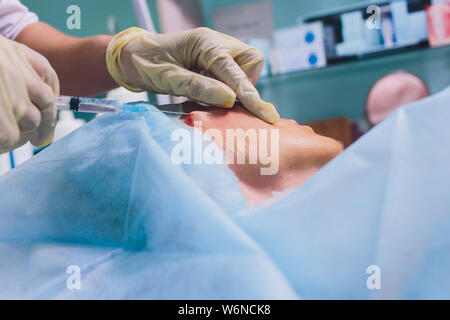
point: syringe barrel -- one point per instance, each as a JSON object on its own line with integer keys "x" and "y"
{"x": 91, "y": 105}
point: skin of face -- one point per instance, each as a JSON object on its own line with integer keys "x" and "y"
{"x": 301, "y": 152}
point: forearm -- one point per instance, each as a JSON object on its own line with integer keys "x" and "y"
{"x": 79, "y": 62}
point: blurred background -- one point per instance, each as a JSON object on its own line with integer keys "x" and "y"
{"x": 322, "y": 56}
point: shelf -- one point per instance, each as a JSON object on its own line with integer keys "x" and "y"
{"x": 341, "y": 89}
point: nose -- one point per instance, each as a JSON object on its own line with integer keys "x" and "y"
{"x": 292, "y": 122}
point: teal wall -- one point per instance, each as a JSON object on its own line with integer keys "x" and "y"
{"x": 330, "y": 92}
{"x": 94, "y": 14}
{"x": 339, "y": 90}
{"x": 285, "y": 12}
{"x": 94, "y": 18}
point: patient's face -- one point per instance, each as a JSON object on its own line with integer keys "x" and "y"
{"x": 298, "y": 151}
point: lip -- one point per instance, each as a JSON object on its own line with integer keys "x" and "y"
{"x": 189, "y": 120}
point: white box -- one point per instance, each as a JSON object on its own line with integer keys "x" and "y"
{"x": 299, "y": 48}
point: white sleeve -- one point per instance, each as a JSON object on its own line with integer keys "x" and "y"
{"x": 14, "y": 17}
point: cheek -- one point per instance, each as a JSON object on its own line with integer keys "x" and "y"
{"x": 302, "y": 148}
{"x": 326, "y": 149}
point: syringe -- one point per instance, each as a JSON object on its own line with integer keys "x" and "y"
{"x": 95, "y": 105}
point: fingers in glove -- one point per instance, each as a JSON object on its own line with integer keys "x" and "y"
{"x": 42, "y": 68}
{"x": 228, "y": 71}
{"x": 12, "y": 93}
{"x": 172, "y": 79}
{"x": 46, "y": 130}
{"x": 251, "y": 61}
{"x": 43, "y": 98}
{"x": 30, "y": 119}
{"x": 9, "y": 130}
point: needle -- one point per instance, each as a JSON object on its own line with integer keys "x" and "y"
{"x": 94, "y": 105}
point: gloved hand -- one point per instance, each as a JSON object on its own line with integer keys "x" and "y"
{"x": 201, "y": 64}
{"x": 28, "y": 85}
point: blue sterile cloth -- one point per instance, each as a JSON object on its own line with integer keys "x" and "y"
{"x": 109, "y": 199}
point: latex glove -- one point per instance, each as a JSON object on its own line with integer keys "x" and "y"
{"x": 28, "y": 85}
{"x": 201, "y": 64}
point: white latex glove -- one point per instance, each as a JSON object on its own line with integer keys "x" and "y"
{"x": 28, "y": 85}
{"x": 201, "y": 64}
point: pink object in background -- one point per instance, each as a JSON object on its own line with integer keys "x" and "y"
{"x": 391, "y": 92}
{"x": 439, "y": 24}
{"x": 178, "y": 15}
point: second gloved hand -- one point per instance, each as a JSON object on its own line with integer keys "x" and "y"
{"x": 201, "y": 64}
{"x": 28, "y": 85}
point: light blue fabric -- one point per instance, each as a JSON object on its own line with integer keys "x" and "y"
{"x": 108, "y": 199}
